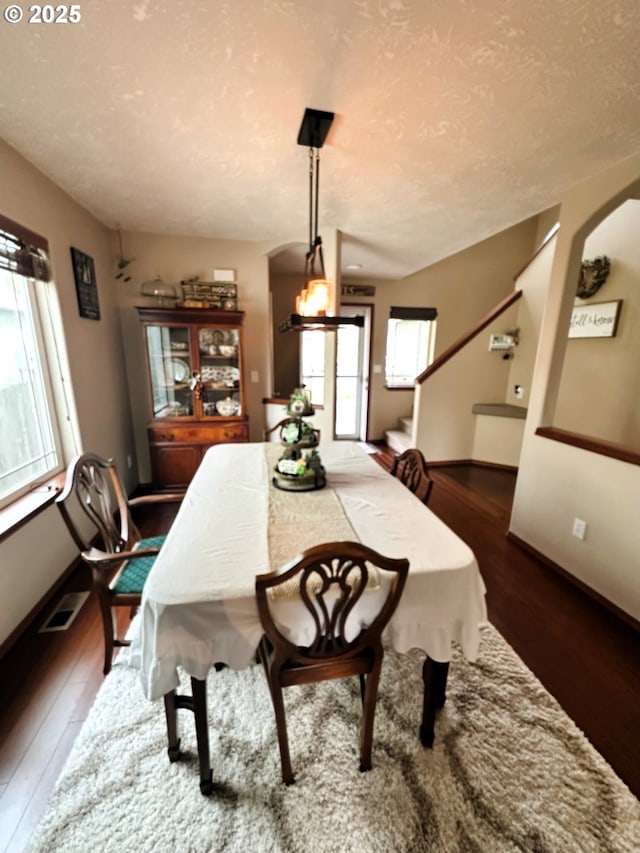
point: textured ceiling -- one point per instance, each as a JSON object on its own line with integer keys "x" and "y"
{"x": 454, "y": 120}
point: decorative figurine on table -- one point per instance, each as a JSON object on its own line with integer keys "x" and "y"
{"x": 297, "y": 432}
{"x": 300, "y": 403}
{"x": 299, "y": 469}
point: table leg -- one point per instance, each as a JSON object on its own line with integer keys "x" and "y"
{"x": 434, "y": 676}
{"x": 171, "y": 713}
{"x": 199, "y": 693}
{"x": 197, "y": 703}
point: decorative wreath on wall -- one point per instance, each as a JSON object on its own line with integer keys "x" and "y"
{"x": 593, "y": 275}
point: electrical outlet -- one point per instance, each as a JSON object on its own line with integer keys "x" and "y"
{"x": 255, "y": 376}
{"x": 130, "y": 460}
{"x": 579, "y": 528}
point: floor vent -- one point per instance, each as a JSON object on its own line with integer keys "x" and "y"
{"x": 65, "y": 612}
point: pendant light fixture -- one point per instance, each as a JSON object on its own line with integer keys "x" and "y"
{"x": 315, "y": 298}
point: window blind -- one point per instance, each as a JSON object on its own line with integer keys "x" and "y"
{"x": 23, "y": 251}
{"x": 403, "y": 313}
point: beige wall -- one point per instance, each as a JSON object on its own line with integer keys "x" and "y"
{"x": 35, "y": 556}
{"x": 534, "y": 283}
{"x": 589, "y": 402}
{"x": 464, "y": 289}
{"x": 557, "y": 482}
{"x": 286, "y": 345}
{"x": 499, "y": 439}
{"x": 175, "y": 259}
{"x": 445, "y": 427}
{"x": 547, "y": 220}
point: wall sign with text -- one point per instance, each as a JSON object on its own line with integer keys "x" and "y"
{"x": 595, "y": 320}
{"x": 86, "y": 285}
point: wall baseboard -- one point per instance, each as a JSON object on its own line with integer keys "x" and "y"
{"x": 583, "y": 587}
{"x": 478, "y": 463}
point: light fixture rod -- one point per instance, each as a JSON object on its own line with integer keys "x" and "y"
{"x": 317, "y": 170}
{"x": 310, "y": 198}
{"x": 315, "y": 241}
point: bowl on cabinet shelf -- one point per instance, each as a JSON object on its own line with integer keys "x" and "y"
{"x": 228, "y": 407}
{"x": 227, "y": 350}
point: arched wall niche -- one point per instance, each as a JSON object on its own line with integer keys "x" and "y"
{"x": 593, "y": 395}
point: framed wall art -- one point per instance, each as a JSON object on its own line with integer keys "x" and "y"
{"x": 86, "y": 285}
{"x": 595, "y": 320}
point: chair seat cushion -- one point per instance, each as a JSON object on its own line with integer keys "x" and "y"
{"x": 135, "y": 572}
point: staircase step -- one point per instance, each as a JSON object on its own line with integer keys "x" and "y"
{"x": 406, "y": 424}
{"x": 398, "y": 440}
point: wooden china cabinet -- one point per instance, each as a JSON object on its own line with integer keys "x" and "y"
{"x": 194, "y": 371}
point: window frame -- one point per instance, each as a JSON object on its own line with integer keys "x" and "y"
{"x": 25, "y": 252}
{"x": 313, "y": 380}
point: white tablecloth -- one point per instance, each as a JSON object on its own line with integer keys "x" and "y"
{"x": 199, "y": 607}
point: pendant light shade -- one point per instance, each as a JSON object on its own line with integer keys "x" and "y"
{"x": 313, "y": 300}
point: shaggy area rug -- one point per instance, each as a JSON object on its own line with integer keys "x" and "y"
{"x": 508, "y": 771}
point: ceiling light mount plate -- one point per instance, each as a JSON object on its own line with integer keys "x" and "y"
{"x": 314, "y": 128}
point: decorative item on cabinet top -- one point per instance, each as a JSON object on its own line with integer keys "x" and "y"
{"x": 219, "y": 295}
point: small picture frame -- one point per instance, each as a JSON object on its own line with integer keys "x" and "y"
{"x": 224, "y": 275}
{"x": 86, "y": 286}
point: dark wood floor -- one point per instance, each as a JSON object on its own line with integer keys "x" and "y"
{"x": 586, "y": 657}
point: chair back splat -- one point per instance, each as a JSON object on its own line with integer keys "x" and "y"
{"x": 411, "y": 469}
{"x": 100, "y": 495}
{"x": 327, "y": 584}
{"x": 119, "y": 558}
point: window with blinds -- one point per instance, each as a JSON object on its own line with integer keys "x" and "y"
{"x": 410, "y": 344}
{"x": 29, "y": 443}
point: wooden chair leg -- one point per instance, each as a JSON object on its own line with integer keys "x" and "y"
{"x": 368, "y": 716}
{"x": 108, "y": 617}
{"x": 275, "y": 689}
{"x": 281, "y": 728}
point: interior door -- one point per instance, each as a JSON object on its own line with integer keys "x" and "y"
{"x": 352, "y": 375}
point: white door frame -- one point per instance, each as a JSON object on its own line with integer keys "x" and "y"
{"x": 364, "y": 366}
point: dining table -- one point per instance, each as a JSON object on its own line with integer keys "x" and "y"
{"x": 199, "y": 609}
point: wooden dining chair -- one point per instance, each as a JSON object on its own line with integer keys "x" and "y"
{"x": 411, "y": 469}
{"x": 119, "y": 558}
{"x": 326, "y": 582}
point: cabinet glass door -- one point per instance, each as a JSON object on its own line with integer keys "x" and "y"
{"x": 220, "y": 371}
{"x": 170, "y": 369}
